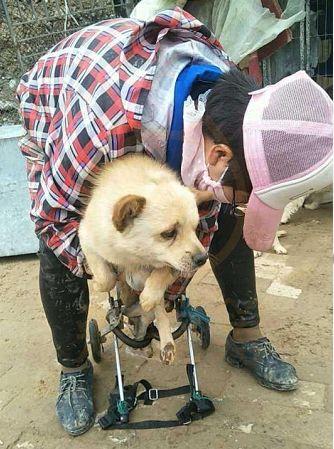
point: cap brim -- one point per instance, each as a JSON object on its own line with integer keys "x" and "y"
{"x": 261, "y": 224}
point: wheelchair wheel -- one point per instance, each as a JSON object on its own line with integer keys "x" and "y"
{"x": 203, "y": 329}
{"x": 95, "y": 340}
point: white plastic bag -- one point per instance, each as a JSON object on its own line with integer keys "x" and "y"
{"x": 146, "y": 9}
{"x": 242, "y": 26}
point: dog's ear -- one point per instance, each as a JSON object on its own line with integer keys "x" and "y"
{"x": 202, "y": 195}
{"x": 126, "y": 210}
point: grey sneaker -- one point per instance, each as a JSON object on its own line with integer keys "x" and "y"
{"x": 263, "y": 362}
{"x": 74, "y": 408}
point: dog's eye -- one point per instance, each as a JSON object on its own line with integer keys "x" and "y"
{"x": 168, "y": 235}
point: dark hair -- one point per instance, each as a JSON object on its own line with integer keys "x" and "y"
{"x": 224, "y": 114}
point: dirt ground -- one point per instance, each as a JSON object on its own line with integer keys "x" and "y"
{"x": 296, "y": 311}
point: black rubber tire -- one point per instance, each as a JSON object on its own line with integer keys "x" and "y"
{"x": 95, "y": 340}
{"x": 151, "y": 334}
{"x": 204, "y": 330}
{"x": 137, "y": 344}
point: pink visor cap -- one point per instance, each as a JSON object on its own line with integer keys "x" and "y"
{"x": 288, "y": 144}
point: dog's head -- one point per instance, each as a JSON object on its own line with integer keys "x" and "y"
{"x": 159, "y": 227}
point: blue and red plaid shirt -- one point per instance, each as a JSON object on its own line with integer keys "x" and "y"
{"x": 82, "y": 105}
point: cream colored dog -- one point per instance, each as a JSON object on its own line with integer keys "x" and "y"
{"x": 140, "y": 221}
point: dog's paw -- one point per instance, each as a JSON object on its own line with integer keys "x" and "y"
{"x": 148, "y": 302}
{"x": 279, "y": 249}
{"x": 167, "y": 353}
{"x": 105, "y": 283}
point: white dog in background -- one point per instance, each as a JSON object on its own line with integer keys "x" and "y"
{"x": 315, "y": 200}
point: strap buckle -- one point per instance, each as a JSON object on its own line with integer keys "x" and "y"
{"x": 153, "y": 394}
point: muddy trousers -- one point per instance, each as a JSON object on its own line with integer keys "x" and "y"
{"x": 232, "y": 262}
{"x": 65, "y": 297}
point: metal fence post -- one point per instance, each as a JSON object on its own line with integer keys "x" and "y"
{"x": 12, "y": 32}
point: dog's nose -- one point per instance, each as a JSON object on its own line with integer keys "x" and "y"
{"x": 200, "y": 259}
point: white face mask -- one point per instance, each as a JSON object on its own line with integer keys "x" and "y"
{"x": 194, "y": 171}
{"x": 222, "y": 175}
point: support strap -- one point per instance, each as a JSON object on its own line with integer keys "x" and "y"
{"x": 117, "y": 415}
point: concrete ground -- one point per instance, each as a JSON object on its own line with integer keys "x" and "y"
{"x": 296, "y": 311}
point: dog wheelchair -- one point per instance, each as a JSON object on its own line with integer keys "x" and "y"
{"x": 123, "y": 399}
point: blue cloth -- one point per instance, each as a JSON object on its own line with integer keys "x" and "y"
{"x": 192, "y": 80}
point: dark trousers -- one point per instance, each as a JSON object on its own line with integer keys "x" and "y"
{"x": 65, "y": 297}
{"x": 232, "y": 262}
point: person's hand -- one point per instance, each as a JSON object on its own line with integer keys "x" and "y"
{"x": 216, "y": 171}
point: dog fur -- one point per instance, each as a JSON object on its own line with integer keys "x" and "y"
{"x": 140, "y": 222}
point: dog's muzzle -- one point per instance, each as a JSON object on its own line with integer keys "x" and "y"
{"x": 200, "y": 259}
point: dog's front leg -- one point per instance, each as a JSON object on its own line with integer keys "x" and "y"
{"x": 167, "y": 345}
{"x": 278, "y": 248}
{"x": 104, "y": 279}
{"x": 155, "y": 286}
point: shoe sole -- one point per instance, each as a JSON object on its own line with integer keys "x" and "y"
{"x": 272, "y": 386}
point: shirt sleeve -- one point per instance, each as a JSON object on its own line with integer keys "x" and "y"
{"x": 208, "y": 213}
{"x": 76, "y": 145}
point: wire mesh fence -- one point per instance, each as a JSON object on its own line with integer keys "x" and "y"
{"x": 28, "y": 28}
{"x": 31, "y": 27}
{"x": 311, "y": 48}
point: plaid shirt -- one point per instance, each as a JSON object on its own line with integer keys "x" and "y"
{"x": 82, "y": 105}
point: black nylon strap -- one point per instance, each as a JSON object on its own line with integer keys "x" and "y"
{"x": 145, "y": 383}
{"x": 108, "y": 420}
{"x": 162, "y": 393}
{"x": 185, "y": 416}
{"x": 146, "y": 425}
{"x": 196, "y": 408}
